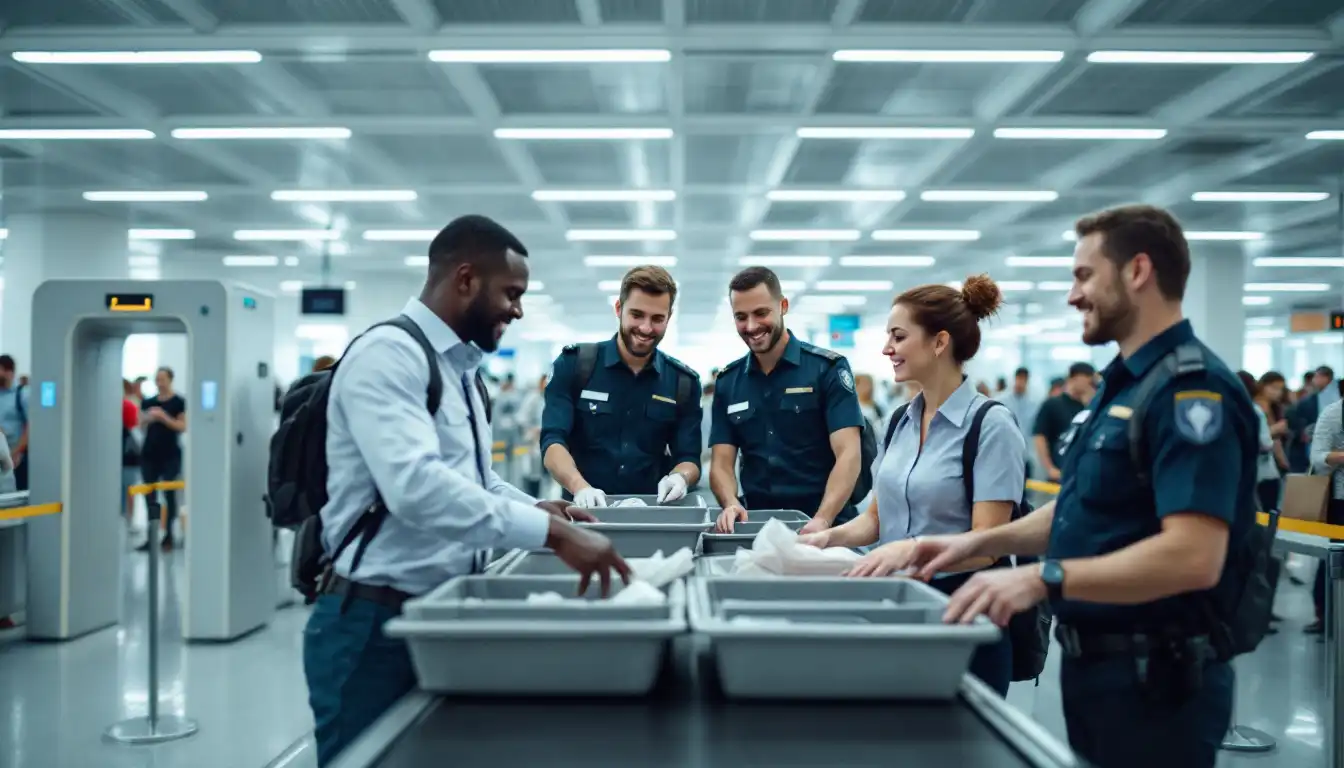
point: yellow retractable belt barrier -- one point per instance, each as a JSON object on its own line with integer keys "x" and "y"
{"x": 1324, "y": 530}
{"x": 33, "y": 510}
{"x": 148, "y": 488}
{"x": 1041, "y": 486}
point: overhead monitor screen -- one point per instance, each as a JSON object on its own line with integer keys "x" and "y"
{"x": 323, "y": 301}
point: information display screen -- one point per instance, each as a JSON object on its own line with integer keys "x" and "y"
{"x": 1337, "y": 321}
{"x": 130, "y": 302}
{"x": 323, "y": 301}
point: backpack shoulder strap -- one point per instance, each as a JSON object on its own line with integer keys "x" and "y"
{"x": 435, "y": 395}
{"x": 686, "y": 378}
{"x": 18, "y": 402}
{"x": 895, "y": 419}
{"x": 970, "y": 447}
{"x": 587, "y": 362}
{"x": 1186, "y": 359}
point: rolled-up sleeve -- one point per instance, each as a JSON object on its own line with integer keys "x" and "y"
{"x": 380, "y": 390}
{"x": 1000, "y": 472}
{"x": 1326, "y": 436}
{"x": 687, "y": 443}
{"x": 557, "y": 413}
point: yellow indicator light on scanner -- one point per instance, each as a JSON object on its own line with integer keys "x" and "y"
{"x": 138, "y": 303}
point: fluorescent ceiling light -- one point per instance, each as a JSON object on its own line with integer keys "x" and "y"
{"x": 620, "y": 235}
{"x": 71, "y": 134}
{"x": 1326, "y": 340}
{"x": 885, "y": 133}
{"x": 344, "y": 195}
{"x": 793, "y": 285}
{"x": 1039, "y": 261}
{"x": 1225, "y": 236}
{"x": 927, "y": 235}
{"x": 835, "y": 195}
{"x": 887, "y": 261}
{"x": 4, "y": 233}
{"x": 401, "y": 235}
{"x": 1286, "y": 287}
{"x": 261, "y": 133}
{"x": 831, "y": 299}
{"x": 131, "y": 196}
{"x": 1070, "y": 235}
{"x": 808, "y": 235}
{"x": 1259, "y": 197}
{"x": 949, "y": 57}
{"x": 607, "y": 286}
{"x": 1299, "y": 261}
{"x": 417, "y": 261}
{"x": 1266, "y": 333}
{"x": 784, "y": 261}
{"x": 251, "y": 261}
{"x": 1255, "y": 301}
{"x": 286, "y": 235}
{"x": 535, "y": 285}
{"x": 583, "y": 134}
{"x": 291, "y": 261}
{"x": 629, "y": 261}
{"x": 854, "y": 285}
{"x": 144, "y": 274}
{"x": 1015, "y": 285}
{"x": 1052, "y": 285}
{"x": 594, "y": 56}
{"x": 1198, "y": 57}
{"x": 162, "y": 234}
{"x": 1260, "y": 321}
{"x": 291, "y": 286}
{"x": 604, "y": 195}
{"x": 1112, "y": 134}
{"x": 988, "y": 196}
{"x": 137, "y": 57}
{"x": 1314, "y": 135}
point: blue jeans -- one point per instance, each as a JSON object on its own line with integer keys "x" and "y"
{"x": 354, "y": 671}
{"x": 1112, "y": 723}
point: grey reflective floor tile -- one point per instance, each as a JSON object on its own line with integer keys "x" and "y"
{"x": 248, "y": 696}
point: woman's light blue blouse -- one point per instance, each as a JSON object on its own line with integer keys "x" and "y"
{"x": 920, "y": 491}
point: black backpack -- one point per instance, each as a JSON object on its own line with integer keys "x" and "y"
{"x": 1028, "y": 630}
{"x": 297, "y": 472}
{"x": 1238, "y": 610}
{"x": 587, "y": 362}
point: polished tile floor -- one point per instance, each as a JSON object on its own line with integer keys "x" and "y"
{"x": 249, "y": 696}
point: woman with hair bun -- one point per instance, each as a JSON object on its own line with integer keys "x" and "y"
{"x": 919, "y": 489}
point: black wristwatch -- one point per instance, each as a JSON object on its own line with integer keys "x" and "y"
{"x": 1052, "y": 573}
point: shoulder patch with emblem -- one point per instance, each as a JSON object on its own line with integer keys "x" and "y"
{"x": 1199, "y": 415}
{"x": 847, "y": 379}
{"x": 571, "y": 347}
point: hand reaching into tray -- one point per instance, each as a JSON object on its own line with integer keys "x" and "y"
{"x": 566, "y": 511}
{"x": 587, "y": 552}
{"x": 885, "y": 560}
{"x": 729, "y": 517}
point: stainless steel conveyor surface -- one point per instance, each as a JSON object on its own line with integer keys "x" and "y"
{"x": 685, "y": 722}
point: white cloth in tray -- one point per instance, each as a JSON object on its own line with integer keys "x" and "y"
{"x": 776, "y": 552}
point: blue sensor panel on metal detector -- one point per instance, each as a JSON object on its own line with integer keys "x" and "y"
{"x": 209, "y": 395}
{"x": 48, "y": 394}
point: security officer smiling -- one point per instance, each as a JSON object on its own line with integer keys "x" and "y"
{"x": 790, "y": 408}
{"x": 621, "y": 417}
{"x": 1146, "y": 537}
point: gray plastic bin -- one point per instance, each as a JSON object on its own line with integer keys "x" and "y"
{"x": 884, "y": 637}
{"x": 714, "y": 565}
{"x": 653, "y": 515}
{"x": 691, "y": 499}
{"x": 468, "y": 637}
{"x": 764, "y": 515}
{"x": 742, "y": 537}
{"x": 643, "y": 540}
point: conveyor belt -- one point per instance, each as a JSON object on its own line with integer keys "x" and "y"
{"x": 685, "y": 722}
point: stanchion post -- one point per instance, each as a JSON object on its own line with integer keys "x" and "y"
{"x": 152, "y": 729}
{"x": 1334, "y": 662}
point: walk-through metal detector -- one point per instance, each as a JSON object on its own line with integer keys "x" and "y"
{"x": 74, "y": 558}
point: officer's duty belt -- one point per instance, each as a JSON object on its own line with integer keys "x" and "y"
{"x": 385, "y": 596}
{"x": 1081, "y": 644}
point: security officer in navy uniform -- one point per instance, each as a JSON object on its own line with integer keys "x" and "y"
{"x": 620, "y": 416}
{"x": 790, "y": 408}
{"x": 1152, "y": 520}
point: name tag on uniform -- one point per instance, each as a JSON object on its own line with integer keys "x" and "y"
{"x": 1120, "y": 412}
{"x": 588, "y": 394}
{"x": 798, "y": 390}
{"x": 1081, "y": 417}
{"x": 738, "y": 407}
{"x": 662, "y": 399}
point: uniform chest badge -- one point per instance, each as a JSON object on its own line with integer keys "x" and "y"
{"x": 1199, "y": 416}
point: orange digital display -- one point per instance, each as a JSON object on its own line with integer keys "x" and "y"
{"x": 130, "y": 302}
{"x": 1337, "y": 321}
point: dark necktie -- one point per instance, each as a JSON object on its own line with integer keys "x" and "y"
{"x": 481, "y": 558}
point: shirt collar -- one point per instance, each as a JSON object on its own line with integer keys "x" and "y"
{"x": 1157, "y": 347}
{"x": 442, "y": 338}
{"x": 793, "y": 353}
{"x": 956, "y": 407}
{"x": 611, "y": 356}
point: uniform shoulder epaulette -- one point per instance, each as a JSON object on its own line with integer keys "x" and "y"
{"x": 571, "y": 348}
{"x": 680, "y": 366}
{"x": 734, "y": 364}
{"x": 829, "y": 354}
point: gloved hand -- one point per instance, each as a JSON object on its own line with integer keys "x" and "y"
{"x": 672, "y": 488}
{"x": 590, "y": 498}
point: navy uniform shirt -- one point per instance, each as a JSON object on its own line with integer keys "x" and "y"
{"x": 1202, "y": 444}
{"x": 624, "y": 430}
{"x": 782, "y": 423}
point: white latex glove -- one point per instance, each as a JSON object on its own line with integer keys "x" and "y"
{"x": 672, "y": 488}
{"x": 590, "y": 498}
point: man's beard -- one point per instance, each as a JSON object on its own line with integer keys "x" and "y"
{"x": 1114, "y": 319}
{"x": 628, "y": 338}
